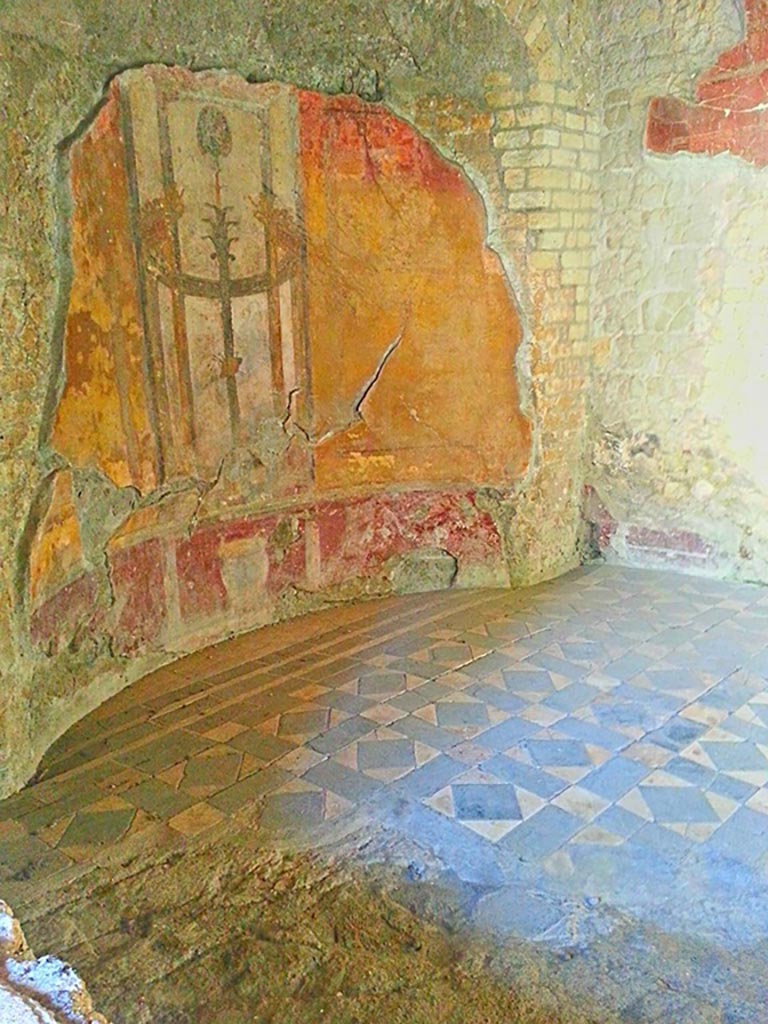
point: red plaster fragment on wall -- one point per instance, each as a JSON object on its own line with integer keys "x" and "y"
{"x": 186, "y": 585}
{"x": 201, "y": 586}
{"x": 358, "y": 537}
{"x": 138, "y": 582}
{"x": 72, "y": 613}
{"x": 390, "y": 148}
{"x": 730, "y": 114}
{"x": 675, "y": 541}
{"x": 287, "y": 562}
{"x": 678, "y": 549}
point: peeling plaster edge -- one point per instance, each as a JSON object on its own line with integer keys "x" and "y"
{"x": 513, "y": 282}
{"x": 521, "y": 300}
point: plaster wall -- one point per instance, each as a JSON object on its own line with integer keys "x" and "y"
{"x": 498, "y": 90}
{"x": 680, "y": 388}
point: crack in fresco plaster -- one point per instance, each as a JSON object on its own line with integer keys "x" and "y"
{"x": 373, "y": 381}
{"x": 290, "y": 417}
{"x": 357, "y": 407}
{"x": 203, "y": 489}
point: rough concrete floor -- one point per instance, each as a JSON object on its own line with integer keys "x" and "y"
{"x": 464, "y": 806}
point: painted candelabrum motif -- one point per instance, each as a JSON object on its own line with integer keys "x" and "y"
{"x": 222, "y": 272}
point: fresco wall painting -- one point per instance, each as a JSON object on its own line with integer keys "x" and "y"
{"x": 286, "y": 346}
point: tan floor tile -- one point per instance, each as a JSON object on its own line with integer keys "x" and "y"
{"x": 427, "y": 714}
{"x": 383, "y": 714}
{"x": 635, "y": 804}
{"x": 347, "y": 757}
{"x": 336, "y": 805}
{"x": 54, "y": 832}
{"x": 224, "y": 733}
{"x": 759, "y": 801}
{"x": 491, "y": 830}
{"x": 299, "y": 761}
{"x": 457, "y": 680}
{"x": 141, "y": 822}
{"x": 121, "y": 780}
{"x": 569, "y": 774}
{"x": 698, "y": 832}
{"x": 649, "y": 754}
{"x": 759, "y": 779}
{"x": 541, "y": 715}
{"x": 597, "y": 836}
{"x": 704, "y": 715}
{"x": 442, "y": 801}
{"x": 110, "y": 803}
{"x": 311, "y": 691}
{"x": 196, "y": 819}
{"x": 249, "y": 765}
{"x": 79, "y": 854}
{"x": 172, "y": 776}
{"x": 529, "y": 803}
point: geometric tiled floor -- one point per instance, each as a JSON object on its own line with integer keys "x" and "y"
{"x": 586, "y": 748}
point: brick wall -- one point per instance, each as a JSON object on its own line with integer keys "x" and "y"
{"x": 547, "y": 138}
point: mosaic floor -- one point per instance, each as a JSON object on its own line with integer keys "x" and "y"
{"x": 583, "y": 752}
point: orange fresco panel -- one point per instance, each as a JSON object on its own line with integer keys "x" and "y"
{"x": 392, "y": 332}
{"x": 56, "y": 553}
{"x": 102, "y": 420}
{"x": 398, "y": 267}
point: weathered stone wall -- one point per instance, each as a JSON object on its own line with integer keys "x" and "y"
{"x": 498, "y": 88}
{"x": 680, "y": 390}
